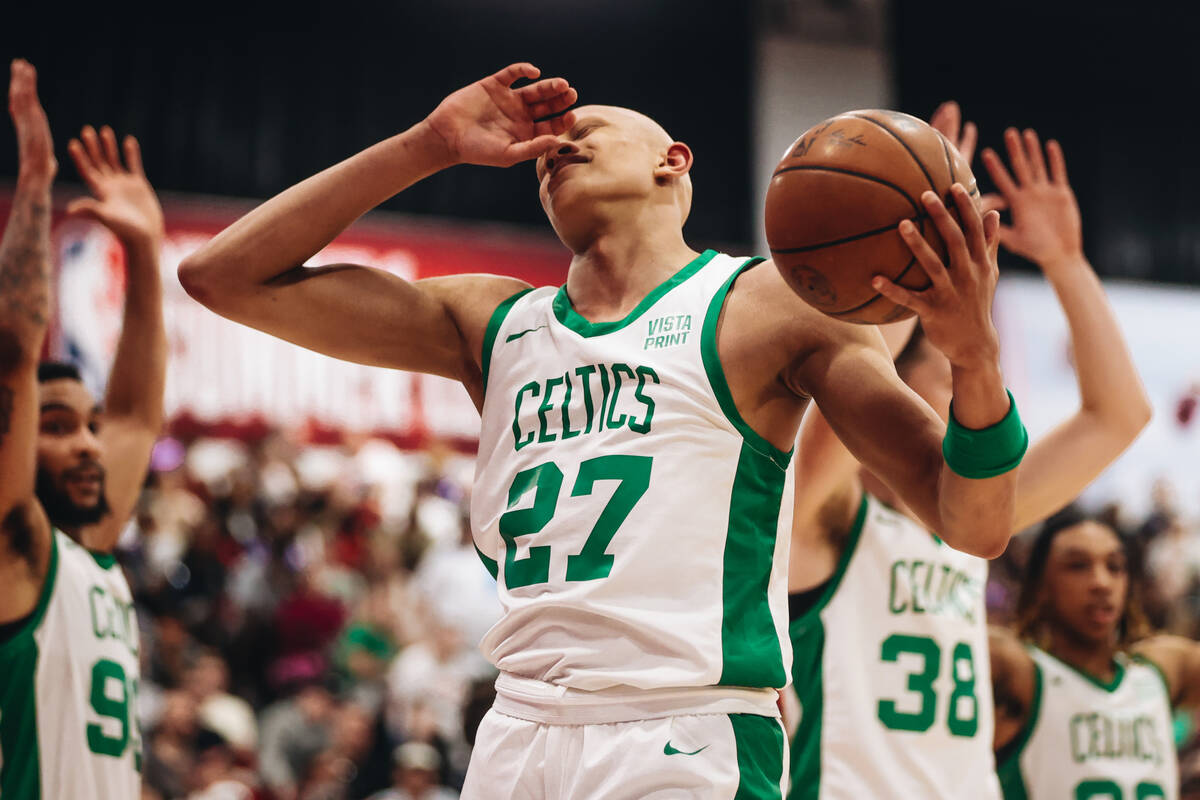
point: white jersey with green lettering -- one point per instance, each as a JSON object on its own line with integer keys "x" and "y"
{"x": 1087, "y": 740}
{"x": 68, "y": 686}
{"x": 891, "y": 669}
{"x": 638, "y": 528}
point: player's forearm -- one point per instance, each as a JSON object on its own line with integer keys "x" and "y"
{"x": 1102, "y": 358}
{"x": 25, "y": 273}
{"x": 291, "y": 227}
{"x": 976, "y": 512}
{"x": 138, "y": 376}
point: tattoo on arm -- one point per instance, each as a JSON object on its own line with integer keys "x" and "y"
{"x": 25, "y": 265}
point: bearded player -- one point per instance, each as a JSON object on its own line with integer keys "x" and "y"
{"x": 71, "y": 474}
{"x": 631, "y": 484}
{"x": 889, "y": 625}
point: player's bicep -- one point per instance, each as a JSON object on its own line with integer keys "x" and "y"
{"x": 1178, "y": 659}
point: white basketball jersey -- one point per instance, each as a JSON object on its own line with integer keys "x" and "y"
{"x": 892, "y": 672}
{"x": 638, "y": 528}
{"x": 68, "y": 686}
{"x": 1086, "y": 740}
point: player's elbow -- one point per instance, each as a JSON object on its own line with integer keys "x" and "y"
{"x": 982, "y": 539}
{"x": 206, "y": 281}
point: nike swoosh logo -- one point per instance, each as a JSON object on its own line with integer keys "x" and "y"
{"x": 515, "y": 336}
{"x": 671, "y": 751}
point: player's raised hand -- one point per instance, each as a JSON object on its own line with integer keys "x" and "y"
{"x": 956, "y": 309}
{"x": 491, "y": 123}
{"x": 1046, "y": 227}
{"x": 947, "y": 120}
{"x": 123, "y": 199}
{"x": 35, "y": 147}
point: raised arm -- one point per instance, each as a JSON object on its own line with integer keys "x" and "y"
{"x": 893, "y": 433}
{"x": 24, "y": 305}
{"x": 252, "y": 272}
{"x": 124, "y": 202}
{"x": 1113, "y": 407}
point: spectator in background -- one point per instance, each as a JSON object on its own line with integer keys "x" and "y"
{"x": 292, "y": 733}
{"x": 416, "y": 775}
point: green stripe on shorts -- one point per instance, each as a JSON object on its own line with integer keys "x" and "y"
{"x": 760, "y": 746}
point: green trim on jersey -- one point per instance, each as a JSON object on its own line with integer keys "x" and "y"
{"x": 572, "y": 319}
{"x": 760, "y": 744}
{"x": 493, "y": 328}
{"x": 20, "y": 770}
{"x": 1012, "y": 782}
{"x": 489, "y": 563}
{"x": 807, "y": 633}
{"x": 1110, "y": 687}
{"x": 750, "y": 649}
{"x": 103, "y": 560}
{"x": 716, "y": 373}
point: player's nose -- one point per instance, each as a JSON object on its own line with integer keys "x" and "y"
{"x": 559, "y": 151}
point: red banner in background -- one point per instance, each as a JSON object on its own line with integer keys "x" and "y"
{"x": 231, "y": 378}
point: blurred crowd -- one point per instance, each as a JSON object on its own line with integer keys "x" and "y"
{"x": 310, "y": 613}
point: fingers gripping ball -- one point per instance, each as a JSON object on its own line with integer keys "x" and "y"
{"x": 836, "y": 199}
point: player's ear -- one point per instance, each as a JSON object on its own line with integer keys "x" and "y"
{"x": 675, "y": 162}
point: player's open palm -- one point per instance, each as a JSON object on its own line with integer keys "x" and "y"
{"x": 122, "y": 199}
{"x": 1046, "y": 226}
{"x": 491, "y": 123}
{"x": 35, "y": 147}
{"x": 956, "y": 308}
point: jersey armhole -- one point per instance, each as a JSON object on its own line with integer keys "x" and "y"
{"x": 1138, "y": 658}
{"x": 493, "y": 330}
{"x": 830, "y": 586}
{"x": 35, "y": 619}
{"x": 716, "y": 373}
{"x": 1008, "y": 759}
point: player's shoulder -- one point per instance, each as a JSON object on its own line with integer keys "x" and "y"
{"x": 474, "y": 293}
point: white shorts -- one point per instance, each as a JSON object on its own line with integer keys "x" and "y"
{"x": 692, "y": 757}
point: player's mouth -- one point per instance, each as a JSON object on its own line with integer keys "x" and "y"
{"x": 562, "y": 162}
{"x": 89, "y": 478}
{"x": 1101, "y": 613}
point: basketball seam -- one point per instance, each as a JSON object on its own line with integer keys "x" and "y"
{"x": 949, "y": 161}
{"x": 851, "y": 173}
{"x": 835, "y": 242}
{"x": 904, "y": 144}
{"x": 878, "y": 295}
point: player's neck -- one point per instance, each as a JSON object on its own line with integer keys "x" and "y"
{"x": 1085, "y": 656}
{"x": 617, "y": 269}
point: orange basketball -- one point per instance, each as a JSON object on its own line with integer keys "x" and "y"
{"x": 836, "y": 198}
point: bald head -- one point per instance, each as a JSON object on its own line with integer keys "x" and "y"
{"x": 654, "y": 133}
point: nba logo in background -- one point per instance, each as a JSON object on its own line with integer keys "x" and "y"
{"x": 90, "y": 297}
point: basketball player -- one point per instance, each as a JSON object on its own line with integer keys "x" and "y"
{"x": 1084, "y": 698}
{"x": 636, "y": 435}
{"x": 71, "y": 474}
{"x": 889, "y": 625}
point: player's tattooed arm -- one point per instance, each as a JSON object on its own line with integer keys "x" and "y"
{"x": 1046, "y": 229}
{"x": 1013, "y": 681}
{"x": 24, "y": 311}
{"x": 1178, "y": 658}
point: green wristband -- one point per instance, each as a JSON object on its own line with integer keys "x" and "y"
{"x": 989, "y": 452}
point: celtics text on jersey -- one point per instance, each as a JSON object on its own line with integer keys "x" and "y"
{"x": 892, "y": 673}
{"x": 636, "y": 525}
{"x": 1090, "y": 740}
{"x": 68, "y": 686}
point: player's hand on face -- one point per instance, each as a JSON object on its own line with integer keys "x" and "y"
{"x": 491, "y": 123}
{"x": 123, "y": 199}
{"x": 35, "y": 147}
{"x": 956, "y": 309}
{"x": 1046, "y": 227}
